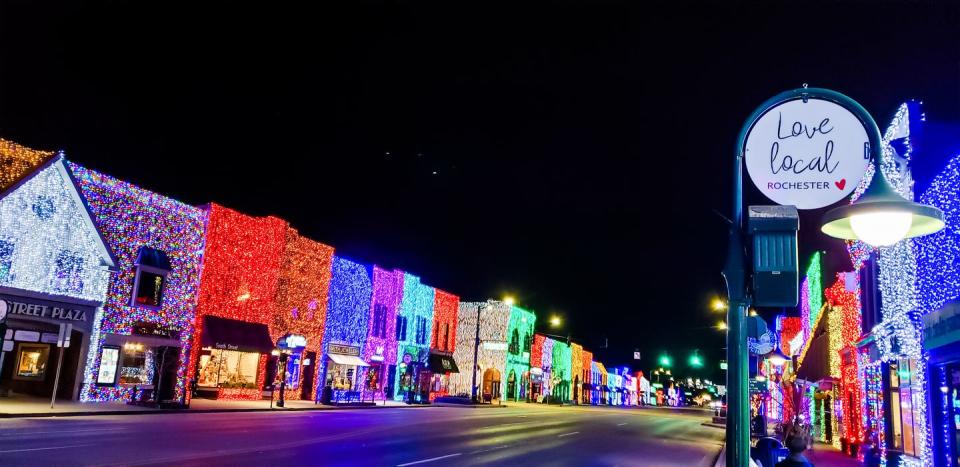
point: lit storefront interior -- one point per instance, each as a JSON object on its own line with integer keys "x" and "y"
{"x": 233, "y": 358}
{"x": 441, "y": 366}
{"x": 344, "y": 375}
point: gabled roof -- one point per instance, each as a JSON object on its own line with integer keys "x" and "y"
{"x": 18, "y": 162}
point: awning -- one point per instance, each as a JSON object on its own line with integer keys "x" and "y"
{"x": 440, "y": 363}
{"x": 815, "y": 365}
{"x": 229, "y": 334}
{"x": 351, "y": 360}
{"x": 587, "y": 386}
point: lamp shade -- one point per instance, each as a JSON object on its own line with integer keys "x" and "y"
{"x": 882, "y": 217}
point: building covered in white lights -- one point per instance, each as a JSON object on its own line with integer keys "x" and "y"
{"x": 54, "y": 271}
{"x": 491, "y": 354}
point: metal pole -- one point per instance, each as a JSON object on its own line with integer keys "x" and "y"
{"x": 56, "y": 380}
{"x": 476, "y": 350}
{"x": 738, "y": 402}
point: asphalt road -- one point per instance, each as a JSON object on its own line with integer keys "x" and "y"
{"x": 516, "y": 436}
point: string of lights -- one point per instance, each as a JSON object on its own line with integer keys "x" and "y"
{"x": 130, "y": 218}
{"x": 48, "y": 243}
{"x": 302, "y": 292}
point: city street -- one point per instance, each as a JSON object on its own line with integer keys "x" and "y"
{"x": 517, "y": 435}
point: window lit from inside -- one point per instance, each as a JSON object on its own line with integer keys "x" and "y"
{"x": 137, "y": 364}
{"x": 228, "y": 369}
{"x": 152, "y": 267}
{"x": 903, "y": 411}
{"x": 32, "y": 362}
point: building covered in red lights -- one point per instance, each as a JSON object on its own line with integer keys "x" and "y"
{"x": 242, "y": 262}
{"x": 441, "y": 363}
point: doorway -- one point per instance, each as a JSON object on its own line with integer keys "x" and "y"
{"x": 306, "y": 383}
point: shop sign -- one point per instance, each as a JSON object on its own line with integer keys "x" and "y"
{"x": 341, "y": 349}
{"x": 942, "y": 327}
{"x": 491, "y": 345}
{"x": 145, "y": 328}
{"x": 48, "y": 338}
{"x": 225, "y": 346}
{"x": 807, "y": 153}
{"x": 27, "y": 336}
{"x": 295, "y": 340}
{"x": 3, "y": 311}
{"x": 377, "y": 354}
{"x": 44, "y": 309}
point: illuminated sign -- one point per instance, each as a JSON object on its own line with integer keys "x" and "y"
{"x": 296, "y": 340}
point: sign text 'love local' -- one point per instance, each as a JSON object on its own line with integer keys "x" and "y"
{"x": 807, "y": 153}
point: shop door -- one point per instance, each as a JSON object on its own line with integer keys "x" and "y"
{"x": 165, "y": 376}
{"x": 306, "y": 382}
{"x": 391, "y": 377}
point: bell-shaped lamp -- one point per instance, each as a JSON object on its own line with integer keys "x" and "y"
{"x": 881, "y": 217}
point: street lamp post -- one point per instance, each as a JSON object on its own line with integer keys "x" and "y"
{"x": 879, "y": 217}
{"x": 476, "y": 350}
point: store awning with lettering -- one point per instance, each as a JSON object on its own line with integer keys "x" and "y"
{"x": 230, "y": 334}
{"x": 349, "y": 360}
{"x": 440, "y": 363}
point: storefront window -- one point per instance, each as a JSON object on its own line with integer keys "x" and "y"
{"x": 341, "y": 377}
{"x": 32, "y": 362}
{"x": 109, "y": 359}
{"x": 293, "y": 371}
{"x": 903, "y": 414}
{"x": 136, "y": 364}
{"x": 228, "y": 369}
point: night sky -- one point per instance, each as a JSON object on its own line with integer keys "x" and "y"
{"x": 572, "y": 155}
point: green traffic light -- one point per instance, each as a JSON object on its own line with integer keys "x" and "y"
{"x": 696, "y": 361}
{"x": 665, "y": 360}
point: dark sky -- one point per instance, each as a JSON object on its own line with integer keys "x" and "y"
{"x": 570, "y": 154}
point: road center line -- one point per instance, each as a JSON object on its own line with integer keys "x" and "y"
{"x": 424, "y": 461}
{"x": 568, "y": 434}
{"x": 46, "y": 449}
{"x": 621, "y": 424}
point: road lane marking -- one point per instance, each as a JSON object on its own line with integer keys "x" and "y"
{"x": 424, "y": 461}
{"x": 46, "y": 449}
{"x": 568, "y": 434}
{"x": 92, "y": 430}
{"x": 621, "y": 424}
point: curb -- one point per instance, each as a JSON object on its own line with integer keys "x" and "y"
{"x": 714, "y": 425}
{"x": 195, "y": 411}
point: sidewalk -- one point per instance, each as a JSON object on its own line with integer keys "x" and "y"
{"x": 823, "y": 455}
{"x": 18, "y": 406}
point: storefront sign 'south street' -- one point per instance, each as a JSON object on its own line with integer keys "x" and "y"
{"x": 808, "y": 154}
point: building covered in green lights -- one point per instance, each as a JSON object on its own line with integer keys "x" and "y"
{"x": 560, "y": 371}
{"x": 519, "y": 341}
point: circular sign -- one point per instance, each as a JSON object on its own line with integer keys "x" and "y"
{"x": 808, "y": 154}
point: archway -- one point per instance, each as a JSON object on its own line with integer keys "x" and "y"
{"x": 576, "y": 389}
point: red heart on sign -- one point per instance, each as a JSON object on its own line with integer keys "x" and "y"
{"x": 842, "y": 183}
